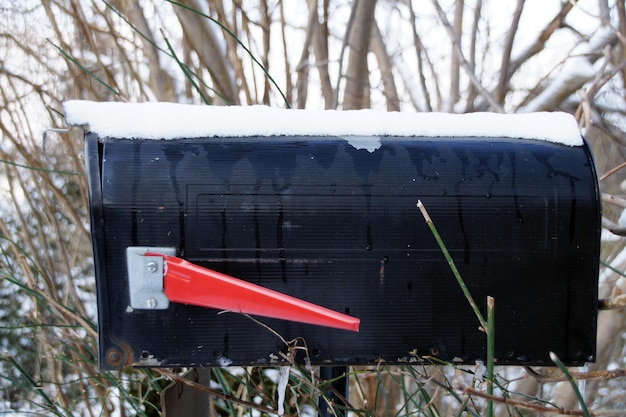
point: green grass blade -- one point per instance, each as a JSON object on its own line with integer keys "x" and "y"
{"x": 50, "y": 405}
{"x": 453, "y": 268}
{"x": 85, "y": 70}
{"x": 38, "y": 169}
{"x": 185, "y": 70}
{"x": 572, "y": 382}
{"x": 239, "y": 42}
{"x": 169, "y": 52}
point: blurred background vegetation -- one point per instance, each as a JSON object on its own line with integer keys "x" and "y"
{"x": 397, "y": 55}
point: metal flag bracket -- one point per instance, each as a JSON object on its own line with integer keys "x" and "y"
{"x": 157, "y": 277}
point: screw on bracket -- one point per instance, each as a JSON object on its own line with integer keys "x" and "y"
{"x": 152, "y": 266}
{"x": 151, "y": 303}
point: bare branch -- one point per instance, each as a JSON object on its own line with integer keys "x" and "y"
{"x": 587, "y": 376}
{"x": 464, "y": 64}
{"x": 605, "y": 12}
{"x": 621, "y": 13}
{"x": 283, "y": 38}
{"x": 302, "y": 69}
{"x": 385, "y": 65}
{"x": 344, "y": 47}
{"x": 576, "y": 71}
{"x": 214, "y": 393}
{"x": 265, "y": 28}
{"x": 611, "y": 199}
{"x": 455, "y": 65}
{"x": 204, "y": 41}
{"x": 471, "y": 91}
{"x": 160, "y": 81}
{"x": 419, "y": 48}
{"x": 522, "y": 404}
{"x": 503, "y": 82}
{"x": 541, "y": 40}
{"x": 320, "y": 46}
{"x": 357, "y": 75}
{"x": 614, "y": 303}
{"x": 612, "y": 171}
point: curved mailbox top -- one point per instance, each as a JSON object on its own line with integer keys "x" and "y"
{"x": 163, "y": 121}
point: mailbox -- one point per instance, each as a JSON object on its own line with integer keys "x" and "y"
{"x": 307, "y": 222}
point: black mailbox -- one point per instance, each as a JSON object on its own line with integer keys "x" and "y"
{"x": 321, "y": 207}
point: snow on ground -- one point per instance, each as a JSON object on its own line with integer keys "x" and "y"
{"x": 172, "y": 121}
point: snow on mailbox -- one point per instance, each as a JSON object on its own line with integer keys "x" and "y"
{"x": 307, "y": 222}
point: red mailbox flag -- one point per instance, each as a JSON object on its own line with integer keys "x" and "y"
{"x": 187, "y": 283}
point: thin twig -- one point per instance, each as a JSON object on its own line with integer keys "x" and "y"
{"x": 522, "y": 404}
{"x": 587, "y": 376}
{"x": 612, "y": 303}
{"x": 611, "y": 199}
{"x": 469, "y": 71}
{"x": 612, "y": 171}
{"x": 218, "y": 394}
